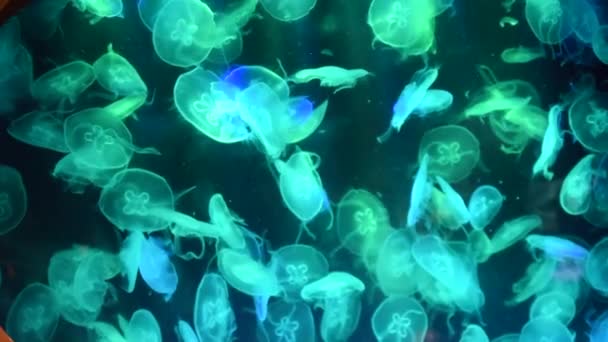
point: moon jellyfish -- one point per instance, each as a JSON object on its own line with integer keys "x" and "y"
{"x": 599, "y": 328}
{"x": 596, "y": 267}
{"x": 300, "y": 120}
{"x": 184, "y": 33}
{"x": 16, "y": 66}
{"x": 34, "y": 314}
{"x": 246, "y": 274}
{"x": 484, "y": 205}
{"x": 126, "y": 106}
{"x": 330, "y": 76}
{"x": 40, "y": 129}
{"x": 554, "y": 305}
{"x": 553, "y": 141}
{"x": 301, "y": 187}
{"x": 521, "y": 54}
{"x": 64, "y": 83}
{"x": 395, "y": 266}
{"x": 297, "y": 265}
{"x": 156, "y": 268}
{"x": 148, "y": 11}
{"x": 143, "y": 327}
{"x": 100, "y": 9}
{"x": 575, "y": 192}
{"x": 547, "y": 19}
{"x": 13, "y": 199}
{"x": 288, "y": 322}
{"x": 130, "y": 256}
{"x": 599, "y": 43}
{"x": 400, "y": 318}
{"x": 184, "y": 332}
{"x": 362, "y": 223}
{"x": 78, "y": 175}
{"x": 101, "y": 331}
{"x": 514, "y": 230}
{"x": 556, "y": 248}
{"x": 209, "y": 104}
{"x": 129, "y": 200}
{"x": 481, "y": 246}
{"x": 420, "y": 194}
{"x": 455, "y": 204}
{"x": 588, "y": 119}
{"x": 227, "y": 222}
{"x": 116, "y": 74}
{"x": 288, "y": 10}
{"x": 538, "y": 275}
{"x": 474, "y": 333}
{"x": 545, "y": 329}
{"x": 453, "y": 152}
{"x": 214, "y": 319}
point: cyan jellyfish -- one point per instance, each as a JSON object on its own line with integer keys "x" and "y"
{"x": 228, "y": 222}
{"x": 596, "y": 268}
{"x": 547, "y": 19}
{"x": 105, "y": 332}
{"x": 288, "y": 10}
{"x": 453, "y": 152}
{"x": 78, "y": 175}
{"x": 421, "y": 192}
{"x": 576, "y": 189}
{"x": 126, "y": 106}
{"x": 40, "y": 129}
{"x": 456, "y": 206}
{"x": 545, "y": 329}
{"x": 484, "y": 205}
{"x": 538, "y": 275}
{"x": 214, "y": 318}
{"x": 131, "y": 197}
{"x": 400, "y": 319}
{"x": 16, "y": 66}
{"x": 148, "y": 11}
{"x": 514, "y": 230}
{"x": 100, "y": 9}
{"x": 247, "y": 275}
{"x": 116, "y": 74}
{"x": 300, "y": 120}
{"x": 481, "y": 246}
{"x": 13, "y": 199}
{"x": 474, "y": 333}
{"x": 184, "y": 332}
{"x": 583, "y": 18}
{"x": 599, "y": 328}
{"x": 334, "y": 284}
{"x": 64, "y": 83}
{"x": 209, "y": 104}
{"x": 130, "y": 256}
{"x": 143, "y": 327}
{"x": 556, "y": 248}
{"x": 330, "y": 76}
{"x": 553, "y": 141}
{"x": 555, "y": 304}
{"x": 34, "y": 314}
{"x": 507, "y": 338}
{"x": 288, "y": 322}
{"x": 588, "y": 119}
{"x": 600, "y": 43}
{"x": 395, "y": 266}
{"x": 157, "y": 269}
{"x": 522, "y": 54}
{"x": 184, "y": 32}
{"x": 297, "y": 265}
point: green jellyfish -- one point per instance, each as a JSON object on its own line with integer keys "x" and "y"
{"x": 401, "y": 319}
{"x": 210, "y": 106}
{"x": 521, "y": 54}
{"x": 297, "y": 265}
{"x": 116, "y": 74}
{"x": 16, "y": 66}
{"x": 247, "y": 275}
{"x": 481, "y": 246}
{"x": 555, "y": 305}
{"x": 547, "y": 19}
{"x": 514, "y": 230}
{"x": 126, "y": 106}
{"x": 184, "y": 32}
{"x": 247, "y": 75}
{"x": 330, "y": 76}
{"x": 288, "y": 322}
{"x": 143, "y": 327}
{"x": 453, "y": 152}
{"x": 288, "y": 10}
{"x": 40, "y": 129}
{"x": 13, "y": 199}
{"x": 148, "y": 11}
{"x": 298, "y": 122}
{"x": 484, "y": 205}
{"x": 132, "y": 196}
{"x": 34, "y": 314}
{"x": 100, "y": 9}
{"x": 362, "y": 224}
{"x": 64, "y": 83}
{"x": 78, "y": 175}
{"x": 588, "y": 118}
{"x": 474, "y": 333}
{"x": 545, "y": 329}
{"x": 214, "y": 319}
{"x": 228, "y": 222}
{"x": 596, "y": 267}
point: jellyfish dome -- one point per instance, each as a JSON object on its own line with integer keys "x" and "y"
{"x": 588, "y": 118}
{"x": 400, "y": 318}
{"x": 34, "y": 314}
{"x": 288, "y": 10}
{"x": 596, "y": 268}
{"x": 13, "y": 199}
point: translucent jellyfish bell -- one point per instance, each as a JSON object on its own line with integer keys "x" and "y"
{"x": 116, "y": 74}
{"x": 13, "y": 199}
{"x": 148, "y": 11}
{"x": 184, "y": 32}
{"x": 600, "y": 43}
{"x": 34, "y": 314}
{"x": 64, "y": 83}
{"x": 288, "y": 10}
{"x": 334, "y": 284}
{"x": 100, "y": 8}
{"x": 131, "y": 197}
{"x": 228, "y": 222}
{"x": 576, "y": 190}
{"x": 596, "y": 268}
{"x": 40, "y": 129}
{"x": 296, "y": 266}
{"x": 400, "y": 318}
{"x": 588, "y": 118}
{"x": 143, "y": 327}
{"x": 210, "y": 106}
{"x": 245, "y": 76}
{"x": 453, "y": 152}
{"x": 547, "y": 19}
{"x": 288, "y": 322}
{"x": 395, "y": 266}
{"x": 545, "y": 329}
{"x": 214, "y": 318}
{"x": 484, "y": 205}
{"x": 246, "y": 274}
{"x": 556, "y": 305}
{"x": 157, "y": 269}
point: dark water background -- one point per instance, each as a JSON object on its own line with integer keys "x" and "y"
{"x": 351, "y": 158}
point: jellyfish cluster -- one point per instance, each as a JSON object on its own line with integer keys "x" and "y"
{"x": 303, "y": 171}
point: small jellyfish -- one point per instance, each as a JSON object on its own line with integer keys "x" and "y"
{"x": 555, "y": 304}
{"x": 13, "y": 199}
{"x": 400, "y": 318}
{"x": 514, "y": 230}
{"x": 588, "y": 119}
{"x": 484, "y": 205}
{"x": 214, "y": 318}
{"x": 247, "y": 275}
{"x": 64, "y": 83}
{"x": 288, "y": 322}
{"x": 600, "y": 43}
{"x": 576, "y": 189}
{"x": 553, "y": 141}
{"x": 288, "y": 10}
{"x": 545, "y": 329}
{"x": 420, "y": 194}
{"x": 474, "y": 333}
{"x": 395, "y": 265}
{"x": 521, "y": 54}
{"x": 116, "y": 74}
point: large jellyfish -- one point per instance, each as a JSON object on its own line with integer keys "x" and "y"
{"x": 545, "y": 329}
{"x": 116, "y": 74}
{"x": 34, "y": 314}
{"x": 554, "y": 304}
{"x": 547, "y": 19}
{"x": 288, "y": 322}
{"x": 64, "y": 83}
{"x": 13, "y": 199}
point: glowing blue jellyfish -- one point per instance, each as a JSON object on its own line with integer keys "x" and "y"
{"x": 156, "y": 268}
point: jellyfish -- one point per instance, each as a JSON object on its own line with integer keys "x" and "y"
{"x": 288, "y": 322}
{"x": 64, "y": 83}
{"x": 297, "y": 265}
{"x": 156, "y": 268}
{"x": 554, "y": 304}
{"x": 214, "y": 319}
{"x": 420, "y": 193}
{"x": 300, "y": 120}
{"x": 16, "y": 66}
{"x": 100, "y": 9}
{"x": 588, "y": 119}
{"x": 474, "y": 333}
{"x": 331, "y": 76}
{"x": 599, "y": 328}
{"x": 130, "y": 256}
{"x": 553, "y": 141}
{"x": 583, "y": 19}
{"x": 78, "y": 175}
{"x": 514, "y": 230}
{"x": 545, "y": 329}
{"x": 596, "y": 268}
{"x": 143, "y": 327}
{"x": 458, "y": 209}
{"x": 400, "y": 318}
{"x": 599, "y": 43}
{"x": 247, "y": 275}
{"x": 547, "y": 19}
{"x": 521, "y": 54}
{"x": 116, "y": 74}
{"x": 453, "y": 152}
{"x": 40, "y": 129}
{"x": 209, "y": 104}
{"x": 395, "y": 266}
{"x": 556, "y": 248}
{"x": 13, "y": 199}
{"x": 288, "y": 10}
{"x": 34, "y": 314}
{"x": 184, "y": 332}
{"x": 576, "y": 189}
{"x": 481, "y": 246}
{"x": 148, "y": 11}
{"x": 183, "y": 32}
{"x": 228, "y": 222}
{"x": 484, "y": 205}
{"x": 101, "y": 331}
{"x": 538, "y": 275}
{"x": 126, "y": 106}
